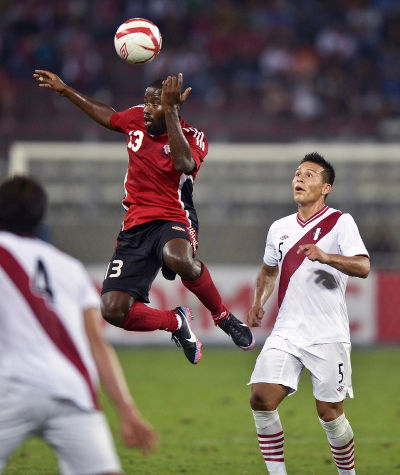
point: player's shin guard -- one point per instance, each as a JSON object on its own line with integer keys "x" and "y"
{"x": 341, "y": 440}
{"x": 271, "y": 440}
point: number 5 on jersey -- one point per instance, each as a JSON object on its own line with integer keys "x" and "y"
{"x": 114, "y": 268}
{"x": 280, "y": 251}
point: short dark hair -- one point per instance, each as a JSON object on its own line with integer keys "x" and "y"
{"x": 328, "y": 175}
{"x": 157, "y": 84}
{"x": 23, "y": 204}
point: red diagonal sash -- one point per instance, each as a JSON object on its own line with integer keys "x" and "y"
{"x": 47, "y": 318}
{"x": 292, "y": 260}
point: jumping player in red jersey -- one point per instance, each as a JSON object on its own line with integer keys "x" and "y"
{"x": 160, "y": 226}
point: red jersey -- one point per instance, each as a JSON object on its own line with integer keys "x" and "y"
{"x": 153, "y": 188}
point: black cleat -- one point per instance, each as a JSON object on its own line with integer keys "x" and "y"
{"x": 185, "y": 338}
{"x": 240, "y": 333}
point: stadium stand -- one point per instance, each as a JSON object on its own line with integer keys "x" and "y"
{"x": 261, "y": 72}
{"x": 321, "y": 70}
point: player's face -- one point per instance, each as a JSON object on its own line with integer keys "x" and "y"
{"x": 153, "y": 113}
{"x": 308, "y": 185}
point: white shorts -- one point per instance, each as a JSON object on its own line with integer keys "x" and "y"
{"x": 281, "y": 362}
{"x": 82, "y": 439}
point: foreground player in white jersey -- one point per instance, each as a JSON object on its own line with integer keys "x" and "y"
{"x": 314, "y": 251}
{"x": 52, "y": 351}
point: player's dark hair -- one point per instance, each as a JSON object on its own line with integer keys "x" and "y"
{"x": 23, "y": 204}
{"x": 328, "y": 175}
{"x": 157, "y": 84}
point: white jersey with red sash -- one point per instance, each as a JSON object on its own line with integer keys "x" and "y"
{"x": 311, "y": 295}
{"x": 43, "y": 343}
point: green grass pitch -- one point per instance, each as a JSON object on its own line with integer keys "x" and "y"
{"x": 206, "y": 427}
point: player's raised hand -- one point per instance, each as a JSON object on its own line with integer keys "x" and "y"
{"x": 314, "y": 253}
{"x": 255, "y": 316}
{"x": 171, "y": 92}
{"x": 50, "y": 80}
{"x": 185, "y": 94}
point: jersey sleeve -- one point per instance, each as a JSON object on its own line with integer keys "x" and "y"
{"x": 349, "y": 239}
{"x": 270, "y": 253}
{"x": 88, "y": 295}
{"x": 198, "y": 145}
{"x": 121, "y": 120}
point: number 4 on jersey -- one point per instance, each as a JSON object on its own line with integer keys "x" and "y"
{"x": 41, "y": 281}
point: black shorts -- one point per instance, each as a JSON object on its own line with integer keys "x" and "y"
{"x": 138, "y": 257}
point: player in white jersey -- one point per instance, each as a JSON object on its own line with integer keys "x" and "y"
{"x": 313, "y": 251}
{"x": 52, "y": 352}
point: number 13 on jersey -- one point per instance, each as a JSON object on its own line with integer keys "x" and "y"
{"x": 114, "y": 268}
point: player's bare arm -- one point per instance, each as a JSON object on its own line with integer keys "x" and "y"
{"x": 354, "y": 266}
{"x": 136, "y": 432}
{"x": 264, "y": 286}
{"x": 171, "y": 99}
{"x": 98, "y": 111}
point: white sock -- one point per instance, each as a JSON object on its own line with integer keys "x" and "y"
{"x": 271, "y": 440}
{"x": 341, "y": 440}
{"x": 179, "y": 320}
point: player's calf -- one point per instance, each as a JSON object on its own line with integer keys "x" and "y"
{"x": 341, "y": 440}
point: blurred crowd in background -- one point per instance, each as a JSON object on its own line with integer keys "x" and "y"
{"x": 261, "y": 70}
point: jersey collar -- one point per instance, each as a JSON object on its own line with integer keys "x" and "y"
{"x": 312, "y": 218}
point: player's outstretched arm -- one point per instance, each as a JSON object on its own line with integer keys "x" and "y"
{"x": 98, "y": 111}
{"x": 264, "y": 287}
{"x": 135, "y": 430}
{"x": 171, "y": 100}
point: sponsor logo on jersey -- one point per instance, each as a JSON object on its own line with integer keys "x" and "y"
{"x": 340, "y": 388}
{"x": 166, "y": 150}
{"x": 316, "y": 234}
{"x": 178, "y": 228}
{"x": 285, "y": 236}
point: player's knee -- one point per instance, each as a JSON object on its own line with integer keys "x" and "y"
{"x": 328, "y": 416}
{"x": 328, "y": 412}
{"x": 188, "y": 270}
{"x": 267, "y": 396}
{"x": 113, "y": 314}
{"x": 114, "y": 307}
{"x": 185, "y": 267}
{"x": 259, "y": 402}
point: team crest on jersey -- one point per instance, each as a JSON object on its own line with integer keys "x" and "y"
{"x": 285, "y": 236}
{"x": 166, "y": 150}
{"x": 316, "y": 234}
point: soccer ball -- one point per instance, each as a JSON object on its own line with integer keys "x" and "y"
{"x": 137, "y": 41}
